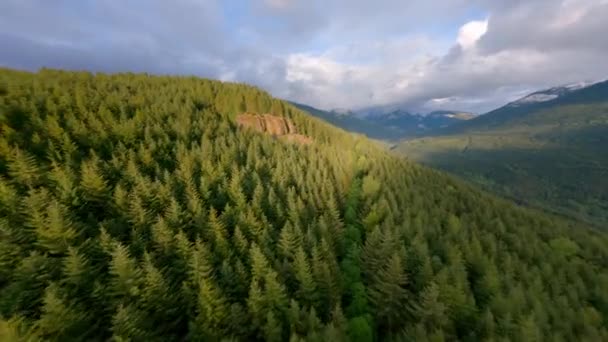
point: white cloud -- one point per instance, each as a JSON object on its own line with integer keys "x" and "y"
{"x": 303, "y": 67}
{"x": 470, "y": 33}
{"x": 328, "y": 53}
{"x": 505, "y": 63}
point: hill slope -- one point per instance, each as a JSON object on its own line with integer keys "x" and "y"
{"x": 551, "y": 153}
{"x": 142, "y": 208}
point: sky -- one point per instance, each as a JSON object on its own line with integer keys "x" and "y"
{"x": 472, "y": 55}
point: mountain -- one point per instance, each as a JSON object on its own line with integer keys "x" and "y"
{"x": 577, "y": 93}
{"x": 352, "y": 123}
{"x": 451, "y": 114}
{"x": 405, "y": 122}
{"x": 550, "y": 153}
{"x": 549, "y": 94}
{"x": 445, "y": 118}
{"x": 389, "y": 126}
{"x": 412, "y": 125}
{"x": 144, "y": 208}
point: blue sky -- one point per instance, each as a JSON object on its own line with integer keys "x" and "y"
{"x": 421, "y": 55}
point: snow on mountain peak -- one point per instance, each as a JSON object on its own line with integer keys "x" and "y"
{"x": 551, "y": 93}
{"x": 534, "y": 98}
{"x": 578, "y": 85}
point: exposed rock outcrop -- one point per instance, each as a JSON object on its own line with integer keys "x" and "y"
{"x": 266, "y": 123}
{"x": 276, "y": 126}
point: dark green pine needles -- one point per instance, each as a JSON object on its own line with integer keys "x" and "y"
{"x": 133, "y": 208}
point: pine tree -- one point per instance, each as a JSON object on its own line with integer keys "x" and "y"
{"x": 212, "y": 308}
{"x": 266, "y": 293}
{"x": 373, "y": 255}
{"x": 240, "y": 242}
{"x": 129, "y": 324}
{"x": 58, "y": 232}
{"x": 418, "y": 264}
{"x": 219, "y": 233}
{"x": 139, "y": 215}
{"x": 194, "y": 204}
{"x": 290, "y": 239}
{"x": 60, "y": 320}
{"x": 391, "y": 301}
{"x": 9, "y": 200}
{"x": 327, "y": 280}
{"x": 336, "y": 329}
{"x": 120, "y": 201}
{"x": 65, "y": 184}
{"x": 313, "y": 326}
{"x": 23, "y": 168}
{"x": 307, "y": 290}
{"x": 529, "y": 332}
{"x": 15, "y": 329}
{"x": 94, "y": 186}
{"x": 162, "y": 235}
{"x": 431, "y": 311}
{"x": 273, "y": 329}
{"x": 76, "y": 268}
{"x": 158, "y": 299}
{"x": 359, "y": 329}
{"x": 236, "y": 191}
{"x": 126, "y": 275}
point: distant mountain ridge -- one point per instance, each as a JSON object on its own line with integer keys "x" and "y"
{"x": 550, "y": 94}
{"x": 350, "y": 122}
{"x": 573, "y": 94}
{"x": 419, "y": 124}
{"x": 452, "y": 114}
{"x": 383, "y": 124}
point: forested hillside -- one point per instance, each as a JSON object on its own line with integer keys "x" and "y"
{"x": 135, "y": 208}
{"x": 550, "y": 154}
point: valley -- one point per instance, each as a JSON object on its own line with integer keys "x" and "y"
{"x": 545, "y": 150}
{"x": 550, "y": 154}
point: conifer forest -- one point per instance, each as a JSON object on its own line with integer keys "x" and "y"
{"x": 136, "y": 208}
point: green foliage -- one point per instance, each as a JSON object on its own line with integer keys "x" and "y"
{"x": 564, "y": 246}
{"x": 389, "y": 298}
{"x": 133, "y": 208}
{"x": 359, "y": 329}
{"x": 60, "y": 320}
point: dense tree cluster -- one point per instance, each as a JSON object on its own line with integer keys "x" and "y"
{"x": 132, "y": 207}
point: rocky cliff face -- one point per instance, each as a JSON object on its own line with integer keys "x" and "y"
{"x": 273, "y": 125}
{"x": 266, "y": 123}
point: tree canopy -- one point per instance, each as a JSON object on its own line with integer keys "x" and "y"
{"x": 133, "y": 208}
